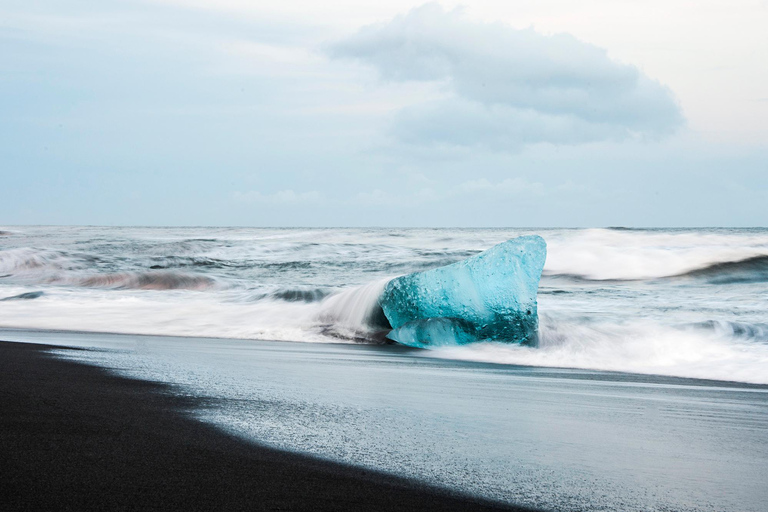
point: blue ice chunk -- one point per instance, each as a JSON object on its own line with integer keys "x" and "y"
{"x": 490, "y": 296}
{"x": 434, "y": 332}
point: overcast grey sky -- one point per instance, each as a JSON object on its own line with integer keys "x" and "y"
{"x": 398, "y": 113}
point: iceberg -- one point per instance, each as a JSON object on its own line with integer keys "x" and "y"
{"x": 488, "y": 297}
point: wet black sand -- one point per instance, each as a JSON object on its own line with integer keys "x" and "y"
{"x": 75, "y": 437}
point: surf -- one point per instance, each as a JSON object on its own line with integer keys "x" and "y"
{"x": 669, "y": 302}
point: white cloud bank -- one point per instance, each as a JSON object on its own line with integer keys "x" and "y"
{"x": 509, "y": 87}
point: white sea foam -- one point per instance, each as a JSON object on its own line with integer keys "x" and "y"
{"x": 637, "y": 347}
{"x": 179, "y": 313}
{"x": 338, "y": 318}
{"x": 615, "y": 254}
{"x": 323, "y": 286}
{"x": 350, "y": 312}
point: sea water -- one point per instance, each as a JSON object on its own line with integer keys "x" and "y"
{"x": 586, "y": 421}
{"x": 676, "y": 302}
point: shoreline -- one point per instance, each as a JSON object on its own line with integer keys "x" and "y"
{"x": 52, "y": 338}
{"x": 195, "y": 424}
{"x": 75, "y": 436}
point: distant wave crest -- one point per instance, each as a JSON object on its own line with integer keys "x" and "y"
{"x": 149, "y": 281}
{"x": 301, "y": 294}
{"x": 748, "y": 270}
{"x": 739, "y": 330}
{"x": 29, "y": 265}
{"x": 620, "y": 255}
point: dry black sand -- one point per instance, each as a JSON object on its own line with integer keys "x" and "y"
{"x": 75, "y": 437}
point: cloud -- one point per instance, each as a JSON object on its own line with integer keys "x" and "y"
{"x": 509, "y": 87}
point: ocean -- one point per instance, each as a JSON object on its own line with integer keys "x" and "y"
{"x": 646, "y": 392}
{"x": 675, "y": 302}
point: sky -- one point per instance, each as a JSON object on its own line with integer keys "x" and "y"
{"x": 548, "y": 113}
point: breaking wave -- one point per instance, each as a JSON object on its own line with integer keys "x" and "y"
{"x": 739, "y": 330}
{"x": 749, "y": 270}
{"x": 644, "y": 301}
{"x": 753, "y": 269}
{"x": 13, "y": 261}
{"x": 354, "y": 314}
{"x": 149, "y": 281}
{"x": 628, "y": 255}
{"x": 24, "y": 296}
{"x": 31, "y": 266}
{"x": 301, "y": 294}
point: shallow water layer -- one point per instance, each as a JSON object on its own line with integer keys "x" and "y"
{"x": 552, "y": 438}
{"x": 682, "y": 302}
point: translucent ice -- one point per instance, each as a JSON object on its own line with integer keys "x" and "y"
{"x": 490, "y": 296}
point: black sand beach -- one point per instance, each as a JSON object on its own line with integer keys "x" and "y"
{"x": 75, "y": 437}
